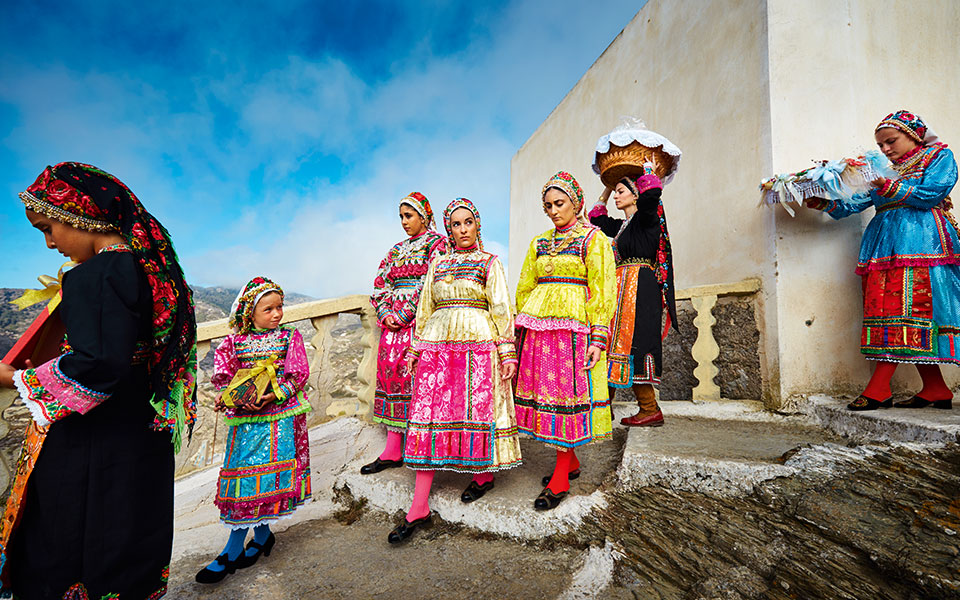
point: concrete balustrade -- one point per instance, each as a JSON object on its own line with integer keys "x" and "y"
{"x": 206, "y": 443}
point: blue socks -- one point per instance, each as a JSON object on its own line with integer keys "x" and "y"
{"x": 234, "y": 546}
{"x": 260, "y": 535}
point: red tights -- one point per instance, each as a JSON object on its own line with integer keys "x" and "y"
{"x": 566, "y": 462}
{"x": 934, "y": 388}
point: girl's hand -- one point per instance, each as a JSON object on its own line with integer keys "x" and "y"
{"x": 606, "y": 194}
{"x": 593, "y": 355}
{"x": 264, "y": 400}
{"x": 879, "y": 182}
{"x": 411, "y": 362}
{"x": 507, "y": 371}
{"x": 218, "y": 404}
{"x": 391, "y": 323}
{"x": 6, "y": 375}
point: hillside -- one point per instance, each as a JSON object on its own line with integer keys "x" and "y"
{"x": 212, "y": 303}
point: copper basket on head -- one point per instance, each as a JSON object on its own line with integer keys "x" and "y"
{"x": 627, "y": 161}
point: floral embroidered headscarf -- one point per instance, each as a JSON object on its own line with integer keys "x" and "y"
{"x": 91, "y": 199}
{"x": 566, "y": 183}
{"x": 419, "y": 203}
{"x": 909, "y": 124}
{"x": 448, "y": 212}
{"x": 241, "y": 313}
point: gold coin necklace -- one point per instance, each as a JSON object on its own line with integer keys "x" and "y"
{"x": 557, "y": 248}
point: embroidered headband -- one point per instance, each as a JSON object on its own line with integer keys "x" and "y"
{"x": 566, "y": 183}
{"x": 909, "y": 124}
{"x": 241, "y": 312}
{"x": 448, "y": 213}
{"x": 419, "y": 203}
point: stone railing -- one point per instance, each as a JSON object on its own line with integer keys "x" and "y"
{"x": 322, "y": 315}
{"x": 705, "y": 349}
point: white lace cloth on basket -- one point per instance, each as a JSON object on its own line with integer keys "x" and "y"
{"x": 633, "y": 130}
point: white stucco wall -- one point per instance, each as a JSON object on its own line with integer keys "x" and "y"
{"x": 746, "y": 89}
{"x": 695, "y": 72}
{"x": 836, "y": 69}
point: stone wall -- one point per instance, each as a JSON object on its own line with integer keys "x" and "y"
{"x": 738, "y": 336}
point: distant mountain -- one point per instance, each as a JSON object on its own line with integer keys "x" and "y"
{"x": 211, "y": 303}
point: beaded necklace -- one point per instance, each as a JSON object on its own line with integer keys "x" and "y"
{"x": 556, "y": 248}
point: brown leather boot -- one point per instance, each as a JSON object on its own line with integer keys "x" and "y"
{"x": 649, "y": 414}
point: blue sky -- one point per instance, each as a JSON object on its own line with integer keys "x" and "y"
{"x": 276, "y": 138}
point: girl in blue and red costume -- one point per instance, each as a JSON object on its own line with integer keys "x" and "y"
{"x": 266, "y": 465}
{"x": 396, "y": 293}
{"x": 909, "y": 259}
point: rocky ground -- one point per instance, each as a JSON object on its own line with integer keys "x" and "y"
{"x": 348, "y": 557}
{"x": 726, "y": 502}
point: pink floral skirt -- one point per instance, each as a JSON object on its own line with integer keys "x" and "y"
{"x": 392, "y": 398}
{"x": 557, "y": 401}
{"x": 462, "y": 415}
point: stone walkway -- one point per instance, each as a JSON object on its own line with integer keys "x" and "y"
{"x": 335, "y": 547}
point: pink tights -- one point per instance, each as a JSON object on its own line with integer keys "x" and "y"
{"x": 421, "y": 493}
{"x": 394, "y": 449}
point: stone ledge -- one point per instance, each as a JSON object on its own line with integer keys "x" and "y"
{"x": 921, "y": 426}
{"x": 722, "y": 449}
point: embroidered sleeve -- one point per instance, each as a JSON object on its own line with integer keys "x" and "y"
{"x": 296, "y": 369}
{"x": 225, "y": 363}
{"x": 498, "y": 300}
{"x": 528, "y": 275}
{"x": 408, "y": 313}
{"x": 100, "y": 312}
{"x": 602, "y": 286}
{"x": 425, "y": 306}
{"x": 382, "y": 295}
{"x": 938, "y": 179}
{"x": 607, "y": 224}
{"x": 839, "y": 209}
{"x": 50, "y": 395}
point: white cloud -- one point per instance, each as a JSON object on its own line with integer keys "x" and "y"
{"x": 228, "y": 159}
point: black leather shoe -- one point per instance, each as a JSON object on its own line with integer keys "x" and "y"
{"x": 379, "y": 465}
{"x": 547, "y": 500}
{"x": 475, "y": 492}
{"x": 208, "y": 576}
{"x": 243, "y": 561}
{"x": 918, "y": 402}
{"x": 573, "y": 475}
{"x": 406, "y": 529}
{"x": 864, "y": 403}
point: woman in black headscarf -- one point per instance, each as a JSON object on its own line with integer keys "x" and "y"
{"x": 91, "y": 511}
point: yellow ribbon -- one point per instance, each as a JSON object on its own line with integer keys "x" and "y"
{"x": 50, "y": 292}
{"x": 257, "y": 370}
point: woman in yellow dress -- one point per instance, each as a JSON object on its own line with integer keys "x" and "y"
{"x": 565, "y": 300}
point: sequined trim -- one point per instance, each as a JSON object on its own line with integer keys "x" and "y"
{"x": 461, "y": 303}
{"x": 55, "y": 212}
{"x": 564, "y": 280}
